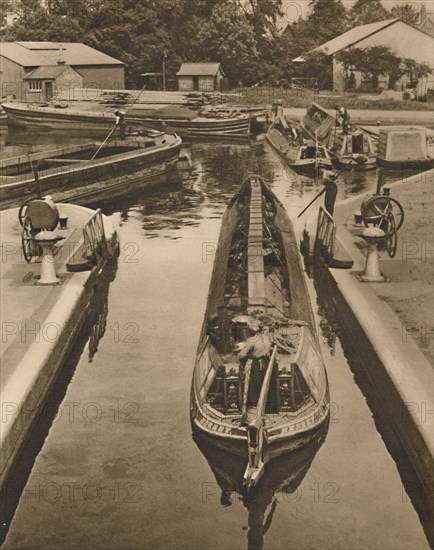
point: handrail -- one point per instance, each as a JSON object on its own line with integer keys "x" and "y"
{"x": 94, "y": 236}
{"x": 325, "y": 235}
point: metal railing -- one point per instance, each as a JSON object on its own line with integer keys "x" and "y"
{"x": 94, "y": 236}
{"x": 325, "y": 239}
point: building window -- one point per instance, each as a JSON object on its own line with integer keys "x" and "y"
{"x": 35, "y": 85}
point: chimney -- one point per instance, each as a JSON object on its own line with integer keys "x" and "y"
{"x": 60, "y": 61}
{"x": 422, "y": 13}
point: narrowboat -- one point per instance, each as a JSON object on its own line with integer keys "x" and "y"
{"x": 93, "y": 170}
{"x": 305, "y": 157}
{"x": 258, "y": 411}
{"x": 354, "y": 150}
{"x": 404, "y": 147}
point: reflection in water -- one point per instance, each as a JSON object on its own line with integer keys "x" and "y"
{"x": 282, "y": 475}
{"x": 339, "y": 322}
{"x": 92, "y": 331}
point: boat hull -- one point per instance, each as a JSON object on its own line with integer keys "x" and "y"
{"x": 102, "y": 179}
{"x": 290, "y": 155}
{"x": 237, "y": 445}
{"x": 100, "y": 123}
{"x": 352, "y": 164}
{"x": 218, "y": 412}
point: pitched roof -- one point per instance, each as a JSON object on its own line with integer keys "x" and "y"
{"x": 47, "y": 72}
{"x": 34, "y": 54}
{"x": 199, "y": 69}
{"x": 351, "y": 37}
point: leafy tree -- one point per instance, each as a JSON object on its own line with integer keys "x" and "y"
{"x": 229, "y": 39}
{"x": 414, "y": 70}
{"x": 409, "y": 13}
{"x": 318, "y": 65}
{"x": 327, "y": 19}
{"x": 36, "y": 23}
{"x": 372, "y": 62}
{"x": 367, "y": 11}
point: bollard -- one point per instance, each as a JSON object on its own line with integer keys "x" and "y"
{"x": 47, "y": 240}
{"x": 358, "y": 219}
{"x": 373, "y": 236}
{"x": 63, "y": 221}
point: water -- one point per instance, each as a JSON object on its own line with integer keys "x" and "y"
{"x": 119, "y": 468}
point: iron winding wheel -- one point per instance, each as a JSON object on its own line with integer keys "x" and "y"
{"x": 22, "y": 210}
{"x": 35, "y": 215}
{"x": 30, "y": 248}
{"x": 387, "y": 214}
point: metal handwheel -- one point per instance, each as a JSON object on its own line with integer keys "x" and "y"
{"x": 30, "y": 248}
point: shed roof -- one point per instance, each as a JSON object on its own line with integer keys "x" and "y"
{"x": 351, "y": 37}
{"x": 199, "y": 69}
{"x": 34, "y": 54}
{"x": 47, "y": 72}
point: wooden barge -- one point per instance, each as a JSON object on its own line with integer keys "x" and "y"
{"x": 304, "y": 159}
{"x": 70, "y": 174}
{"x": 354, "y": 149}
{"x": 258, "y": 279}
{"x": 94, "y": 122}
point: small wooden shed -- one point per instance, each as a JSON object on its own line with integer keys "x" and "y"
{"x": 201, "y": 77}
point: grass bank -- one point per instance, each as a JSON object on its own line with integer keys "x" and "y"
{"x": 303, "y": 98}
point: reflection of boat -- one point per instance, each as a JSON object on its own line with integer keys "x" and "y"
{"x": 99, "y": 119}
{"x": 72, "y": 174}
{"x": 304, "y": 159}
{"x": 282, "y": 475}
{"x": 258, "y": 277}
{"x": 55, "y": 289}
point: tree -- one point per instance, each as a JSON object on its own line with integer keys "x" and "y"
{"x": 414, "y": 70}
{"x": 367, "y": 11}
{"x": 409, "y": 13}
{"x": 327, "y": 19}
{"x": 318, "y": 65}
{"x": 372, "y": 62}
{"x": 229, "y": 37}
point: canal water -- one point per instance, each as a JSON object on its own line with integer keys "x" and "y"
{"x": 119, "y": 469}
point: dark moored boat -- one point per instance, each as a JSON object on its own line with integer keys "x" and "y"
{"x": 304, "y": 159}
{"x": 258, "y": 277}
{"x": 353, "y": 150}
{"x": 78, "y": 119}
{"x": 70, "y": 174}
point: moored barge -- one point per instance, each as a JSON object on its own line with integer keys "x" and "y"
{"x": 258, "y": 283}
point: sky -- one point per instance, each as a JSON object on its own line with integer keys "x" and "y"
{"x": 294, "y": 8}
